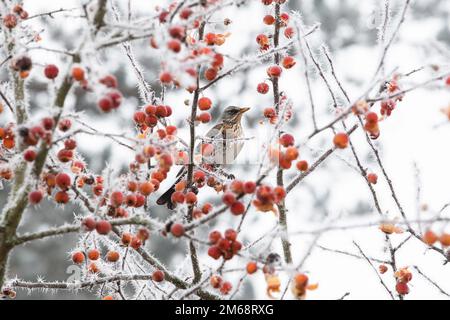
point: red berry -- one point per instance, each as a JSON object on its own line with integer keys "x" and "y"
{"x": 287, "y": 140}
{"x": 89, "y": 224}
{"x": 214, "y": 252}
{"x": 65, "y": 125}
{"x": 165, "y": 77}
{"x": 215, "y": 281}
{"x": 78, "y": 73}
{"x": 274, "y": 71}
{"x": 93, "y": 254}
{"x": 105, "y": 104}
{"x": 109, "y": 81}
{"x": 63, "y": 181}
{"x": 226, "y": 286}
{"x": 29, "y": 155}
{"x": 34, "y": 197}
{"x": 237, "y": 208}
{"x": 65, "y": 155}
{"x": 112, "y": 256}
{"x": 70, "y": 144}
{"x": 177, "y": 230}
{"x": 447, "y": 81}
{"x": 61, "y": 197}
{"x": 288, "y": 62}
{"x": 204, "y": 117}
{"x": 158, "y": 276}
{"x": 51, "y": 71}
{"x": 103, "y": 227}
{"x": 204, "y": 103}
{"x": 178, "y": 197}
{"x": 231, "y": 235}
{"x": 252, "y": 267}
{"x": 48, "y": 123}
{"x": 126, "y": 238}
{"x": 372, "y": 117}
{"x": 116, "y": 199}
{"x": 372, "y": 178}
{"x": 267, "y": 2}
{"x": 269, "y": 19}
{"x": 174, "y": 45}
{"x": 289, "y": 32}
{"x": 185, "y": 13}
{"x": 263, "y": 88}
{"x": 228, "y": 199}
{"x": 341, "y": 140}
{"x": 402, "y": 288}
{"x": 191, "y": 198}
{"x": 249, "y": 187}
{"x": 116, "y": 98}
{"x": 135, "y": 243}
{"x": 215, "y": 237}
{"x": 78, "y": 257}
{"x": 210, "y": 74}
{"x": 302, "y": 165}
{"x": 430, "y": 238}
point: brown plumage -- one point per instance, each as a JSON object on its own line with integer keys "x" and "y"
{"x": 225, "y": 147}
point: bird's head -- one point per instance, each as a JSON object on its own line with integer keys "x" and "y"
{"x": 233, "y": 114}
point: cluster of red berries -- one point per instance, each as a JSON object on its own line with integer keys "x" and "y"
{"x": 225, "y": 246}
{"x": 403, "y": 277}
{"x": 204, "y": 104}
{"x": 371, "y": 125}
{"x": 387, "y": 106}
{"x": 111, "y": 99}
{"x": 218, "y": 283}
{"x": 430, "y": 238}
{"x": 267, "y": 197}
{"x": 149, "y": 116}
{"x": 10, "y": 20}
{"x": 135, "y": 240}
{"x": 238, "y": 188}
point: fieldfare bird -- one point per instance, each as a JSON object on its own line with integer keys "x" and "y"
{"x": 219, "y": 147}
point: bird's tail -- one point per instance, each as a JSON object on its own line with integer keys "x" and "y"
{"x": 166, "y": 197}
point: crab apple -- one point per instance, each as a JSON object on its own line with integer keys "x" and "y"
{"x": 269, "y": 19}
{"x": 158, "y": 276}
{"x": 226, "y": 288}
{"x": 210, "y": 74}
{"x": 143, "y": 234}
{"x": 274, "y": 71}
{"x": 191, "y": 198}
{"x": 51, "y": 71}
{"x": 341, "y": 140}
{"x": 383, "y": 268}
{"x": 288, "y": 62}
{"x": 204, "y": 117}
{"x": 109, "y": 81}
{"x": 116, "y": 98}
{"x": 78, "y": 73}
{"x": 61, "y": 197}
{"x": 161, "y": 111}
{"x": 89, "y": 224}
{"x": 29, "y": 155}
{"x": 103, "y": 227}
{"x": 93, "y": 268}
{"x": 218, "y": 61}
{"x": 65, "y": 155}
{"x": 284, "y": 162}
{"x": 65, "y": 125}
{"x": 207, "y": 208}
{"x": 402, "y": 288}
{"x": 48, "y": 123}
{"x": 177, "y": 230}
{"x": 372, "y": 117}
{"x": 204, "y": 103}
{"x": 135, "y": 243}
{"x": 146, "y": 188}
{"x": 214, "y": 252}
{"x": 130, "y": 200}
{"x": 62, "y": 180}
{"x": 178, "y": 197}
{"x": 214, "y": 237}
{"x": 289, "y": 32}
{"x": 291, "y": 153}
{"x": 372, "y": 178}
{"x": 444, "y": 239}
{"x": 267, "y": 2}
{"x": 165, "y": 77}
{"x": 34, "y": 197}
{"x": 10, "y": 21}
{"x": 210, "y": 38}
{"x": 70, "y": 144}
{"x": 228, "y": 198}
{"x": 270, "y": 113}
{"x": 215, "y": 281}
{"x": 280, "y": 193}
{"x": 287, "y": 140}
{"x": 116, "y": 199}
{"x": 112, "y": 256}
{"x": 93, "y": 254}
{"x": 126, "y": 238}
{"x": 430, "y": 238}
{"x": 237, "y": 208}
{"x": 185, "y": 13}
{"x": 105, "y": 104}
{"x": 262, "y": 88}
{"x": 249, "y": 187}
{"x": 174, "y": 45}
{"x": 78, "y": 257}
{"x": 252, "y": 267}
{"x": 302, "y": 165}
{"x": 263, "y": 41}
{"x": 230, "y": 235}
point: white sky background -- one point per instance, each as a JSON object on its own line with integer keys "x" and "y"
{"x": 408, "y": 137}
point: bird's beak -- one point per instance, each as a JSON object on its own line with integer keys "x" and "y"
{"x": 243, "y": 110}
